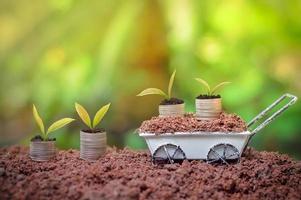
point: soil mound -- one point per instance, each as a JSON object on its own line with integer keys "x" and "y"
{"x": 189, "y": 123}
{"x": 126, "y": 174}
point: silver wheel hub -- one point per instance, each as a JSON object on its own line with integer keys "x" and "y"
{"x": 223, "y": 153}
{"x": 168, "y": 153}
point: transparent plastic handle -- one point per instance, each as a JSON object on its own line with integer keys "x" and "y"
{"x": 293, "y": 100}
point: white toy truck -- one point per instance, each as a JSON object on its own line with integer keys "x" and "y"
{"x": 210, "y": 146}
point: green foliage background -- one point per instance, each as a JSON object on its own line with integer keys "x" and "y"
{"x": 57, "y": 52}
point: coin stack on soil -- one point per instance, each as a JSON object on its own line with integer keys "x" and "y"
{"x": 207, "y": 109}
{"x": 42, "y": 150}
{"x": 171, "y": 110}
{"x": 92, "y": 145}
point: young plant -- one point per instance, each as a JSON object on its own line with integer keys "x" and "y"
{"x": 157, "y": 91}
{"x": 211, "y": 92}
{"x": 83, "y": 114}
{"x": 56, "y": 125}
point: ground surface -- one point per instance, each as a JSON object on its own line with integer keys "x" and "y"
{"x": 126, "y": 174}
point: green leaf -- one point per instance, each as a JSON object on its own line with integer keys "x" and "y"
{"x": 38, "y": 119}
{"x": 149, "y": 91}
{"x": 171, "y": 81}
{"x": 218, "y": 86}
{"x": 59, "y": 124}
{"x": 83, "y": 114}
{"x": 100, "y": 114}
{"x": 205, "y": 84}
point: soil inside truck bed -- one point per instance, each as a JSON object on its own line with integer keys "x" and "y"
{"x": 127, "y": 174}
{"x": 189, "y": 123}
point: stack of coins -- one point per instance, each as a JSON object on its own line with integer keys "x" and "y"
{"x": 207, "y": 109}
{"x": 172, "y": 110}
{"x": 42, "y": 150}
{"x": 92, "y": 145}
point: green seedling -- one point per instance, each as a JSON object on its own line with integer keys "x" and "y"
{"x": 157, "y": 91}
{"x": 83, "y": 114}
{"x": 210, "y": 91}
{"x": 55, "y": 126}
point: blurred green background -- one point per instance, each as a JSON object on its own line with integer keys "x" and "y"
{"x": 57, "y": 52}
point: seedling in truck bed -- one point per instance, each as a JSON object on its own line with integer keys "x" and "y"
{"x": 210, "y": 92}
{"x": 83, "y": 114}
{"x": 169, "y": 106}
{"x": 209, "y": 105}
{"x": 167, "y": 96}
{"x": 55, "y": 126}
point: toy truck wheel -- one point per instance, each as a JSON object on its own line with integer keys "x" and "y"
{"x": 168, "y": 154}
{"x": 223, "y": 153}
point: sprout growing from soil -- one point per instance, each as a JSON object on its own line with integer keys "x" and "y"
{"x": 211, "y": 92}
{"x": 83, "y": 114}
{"x": 55, "y": 126}
{"x": 157, "y": 91}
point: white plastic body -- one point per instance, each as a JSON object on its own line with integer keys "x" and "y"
{"x": 196, "y": 145}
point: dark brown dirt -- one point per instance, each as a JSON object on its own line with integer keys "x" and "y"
{"x": 171, "y": 101}
{"x": 188, "y": 123}
{"x": 98, "y": 130}
{"x": 205, "y": 96}
{"x": 39, "y": 138}
{"x": 126, "y": 174}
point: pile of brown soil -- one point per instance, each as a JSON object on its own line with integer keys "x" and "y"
{"x": 39, "y": 138}
{"x": 189, "y": 123}
{"x": 205, "y": 96}
{"x": 171, "y": 101}
{"x": 126, "y": 174}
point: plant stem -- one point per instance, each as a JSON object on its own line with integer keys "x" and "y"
{"x": 44, "y": 136}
